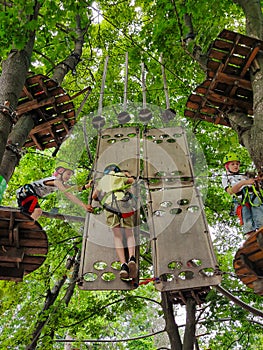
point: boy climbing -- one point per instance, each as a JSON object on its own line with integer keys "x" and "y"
{"x": 28, "y": 195}
{"x": 112, "y": 192}
{"x": 247, "y": 196}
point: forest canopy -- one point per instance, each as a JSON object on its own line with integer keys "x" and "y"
{"x": 70, "y": 42}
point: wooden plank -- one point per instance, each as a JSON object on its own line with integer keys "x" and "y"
{"x": 227, "y": 35}
{"x": 243, "y": 40}
{"x": 65, "y": 108}
{"x": 11, "y": 273}
{"x": 224, "y": 102}
{"x": 50, "y": 83}
{"x": 27, "y": 93}
{"x": 231, "y": 80}
{"x": 43, "y": 86}
{"x": 35, "y": 250}
{"x": 63, "y": 99}
{"x": 249, "y": 61}
{"x": 249, "y": 279}
{"x": 213, "y": 65}
{"x": 202, "y": 90}
{"x": 255, "y": 256}
{"x": 217, "y": 55}
{"x": 34, "y": 104}
{"x": 34, "y": 79}
{"x": 56, "y": 91}
{"x": 196, "y": 98}
{"x": 238, "y": 61}
{"x": 208, "y": 110}
{"x": 192, "y": 105}
{"x": 12, "y": 255}
{"x": 248, "y": 249}
{"x": 45, "y": 125}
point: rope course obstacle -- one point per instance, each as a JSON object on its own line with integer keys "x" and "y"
{"x": 53, "y": 110}
{"x": 227, "y": 86}
{"x": 248, "y": 262}
{"x": 182, "y": 252}
{"x": 231, "y": 60}
{"x": 23, "y": 243}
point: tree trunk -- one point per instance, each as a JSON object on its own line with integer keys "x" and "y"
{"x": 250, "y": 130}
{"x": 189, "y": 333}
{"x": 171, "y": 326}
{"x": 14, "y": 72}
{"x": 15, "y": 142}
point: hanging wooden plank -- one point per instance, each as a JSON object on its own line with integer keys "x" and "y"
{"x": 183, "y": 255}
{"x": 99, "y": 268}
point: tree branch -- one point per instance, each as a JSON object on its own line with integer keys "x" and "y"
{"x": 50, "y": 300}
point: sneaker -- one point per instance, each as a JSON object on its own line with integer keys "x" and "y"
{"x": 124, "y": 273}
{"x": 132, "y": 267}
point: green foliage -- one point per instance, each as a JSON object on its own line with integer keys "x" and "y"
{"x": 144, "y": 29}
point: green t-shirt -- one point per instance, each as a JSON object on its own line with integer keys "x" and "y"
{"x": 110, "y": 183}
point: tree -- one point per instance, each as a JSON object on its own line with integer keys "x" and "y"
{"x": 56, "y": 38}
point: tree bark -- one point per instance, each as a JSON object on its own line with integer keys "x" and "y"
{"x": 171, "y": 326}
{"x": 12, "y": 80}
{"x": 15, "y": 142}
{"x": 189, "y": 333}
{"x": 250, "y": 129}
{"x": 254, "y": 20}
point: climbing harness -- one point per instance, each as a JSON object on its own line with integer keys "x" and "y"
{"x": 124, "y": 207}
{"x": 249, "y": 194}
{"x": 25, "y": 195}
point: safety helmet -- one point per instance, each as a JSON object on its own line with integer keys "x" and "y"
{"x": 62, "y": 166}
{"x": 111, "y": 167}
{"x": 231, "y": 157}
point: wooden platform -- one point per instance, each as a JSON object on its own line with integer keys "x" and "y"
{"x": 53, "y": 111}
{"x": 248, "y": 262}
{"x": 227, "y": 86}
{"x": 23, "y": 244}
{"x": 198, "y": 294}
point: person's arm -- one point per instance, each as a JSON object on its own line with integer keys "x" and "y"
{"x": 238, "y": 186}
{"x": 71, "y": 196}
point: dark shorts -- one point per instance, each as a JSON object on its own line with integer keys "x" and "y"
{"x": 27, "y": 200}
{"x": 113, "y": 220}
{"x": 29, "y": 204}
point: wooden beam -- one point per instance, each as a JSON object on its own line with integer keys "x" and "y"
{"x": 34, "y": 104}
{"x": 231, "y": 80}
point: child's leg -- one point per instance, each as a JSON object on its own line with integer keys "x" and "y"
{"x": 257, "y": 213}
{"x": 117, "y": 233}
{"x": 133, "y": 269}
{"x": 248, "y": 222}
{"x": 130, "y": 241}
